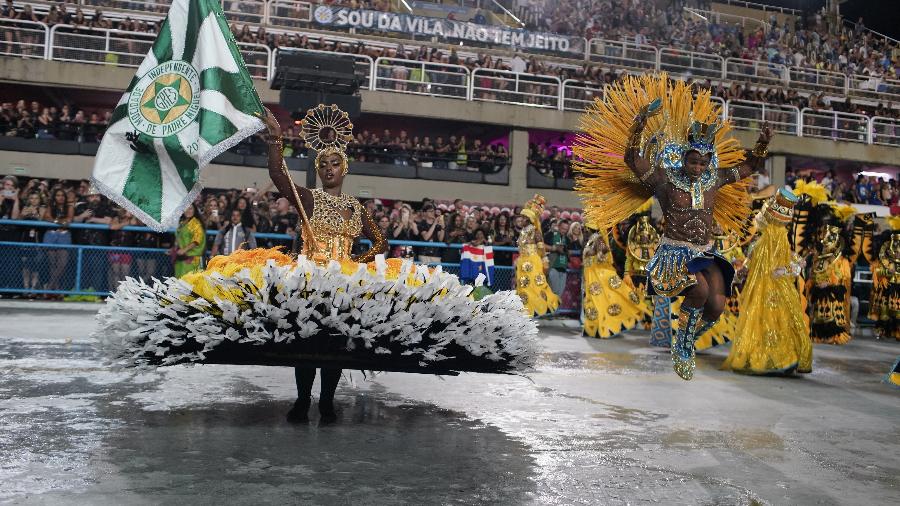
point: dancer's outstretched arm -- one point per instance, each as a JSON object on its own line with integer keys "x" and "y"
{"x": 755, "y": 160}
{"x": 640, "y": 165}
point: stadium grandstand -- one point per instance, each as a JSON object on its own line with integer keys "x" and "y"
{"x": 467, "y": 109}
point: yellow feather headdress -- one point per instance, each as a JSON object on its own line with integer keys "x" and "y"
{"x": 816, "y": 192}
{"x": 843, "y": 212}
{"x": 609, "y": 189}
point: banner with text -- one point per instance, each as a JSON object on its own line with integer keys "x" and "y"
{"x": 446, "y": 29}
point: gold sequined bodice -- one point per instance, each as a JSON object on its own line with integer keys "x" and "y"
{"x": 890, "y": 263}
{"x": 334, "y": 235}
{"x": 529, "y": 243}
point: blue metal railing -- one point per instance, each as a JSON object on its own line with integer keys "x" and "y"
{"x": 88, "y": 270}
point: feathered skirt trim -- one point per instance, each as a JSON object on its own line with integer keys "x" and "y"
{"x": 391, "y": 317}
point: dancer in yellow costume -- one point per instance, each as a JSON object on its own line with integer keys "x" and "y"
{"x": 772, "y": 336}
{"x": 885, "y": 266}
{"x": 830, "y": 275}
{"x": 655, "y": 137}
{"x": 610, "y": 306}
{"x": 531, "y": 268}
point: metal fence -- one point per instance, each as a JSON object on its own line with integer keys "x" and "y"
{"x": 122, "y": 48}
{"x": 42, "y": 268}
{"x": 288, "y": 17}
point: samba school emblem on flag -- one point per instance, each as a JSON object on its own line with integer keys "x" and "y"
{"x": 190, "y": 100}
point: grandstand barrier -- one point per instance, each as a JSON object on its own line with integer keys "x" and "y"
{"x": 421, "y": 78}
{"x": 506, "y": 87}
{"x": 89, "y": 270}
{"x": 701, "y": 65}
{"x": 756, "y": 72}
{"x": 123, "y": 48}
{"x": 884, "y": 131}
{"x": 288, "y": 13}
{"x": 874, "y": 87}
{"x": 719, "y": 17}
{"x": 762, "y": 7}
{"x": 578, "y": 95}
{"x": 839, "y": 126}
{"x": 27, "y": 39}
{"x": 749, "y": 115}
{"x": 623, "y": 54}
{"x": 289, "y": 17}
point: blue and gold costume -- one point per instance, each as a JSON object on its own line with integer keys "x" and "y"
{"x": 620, "y": 165}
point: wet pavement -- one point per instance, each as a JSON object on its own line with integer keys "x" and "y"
{"x": 599, "y": 422}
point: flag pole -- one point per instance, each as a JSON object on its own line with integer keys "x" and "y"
{"x": 304, "y": 220}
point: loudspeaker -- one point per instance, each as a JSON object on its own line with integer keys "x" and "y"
{"x": 298, "y": 102}
{"x": 309, "y": 71}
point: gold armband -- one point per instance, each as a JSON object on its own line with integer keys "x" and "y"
{"x": 761, "y": 150}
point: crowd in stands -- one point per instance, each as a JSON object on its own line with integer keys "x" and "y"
{"x": 262, "y": 211}
{"x": 821, "y": 42}
{"x": 33, "y": 120}
{"x": 865, "y": 189}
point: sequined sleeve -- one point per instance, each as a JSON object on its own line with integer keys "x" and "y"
{"x": 373, "y": 234}
{"x": 646, "y": 173}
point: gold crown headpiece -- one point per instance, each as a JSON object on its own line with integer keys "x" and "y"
{"x": 326, "y": 126}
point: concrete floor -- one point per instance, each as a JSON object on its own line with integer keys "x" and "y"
{"x": 600, "y": 422}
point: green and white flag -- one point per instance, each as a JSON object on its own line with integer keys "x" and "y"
{"x": 190, "y": 100}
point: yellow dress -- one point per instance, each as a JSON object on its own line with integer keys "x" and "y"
{"x": 531, "y": 277}
{"x": 609, "y": 304}
{"x": 772, "y": 336}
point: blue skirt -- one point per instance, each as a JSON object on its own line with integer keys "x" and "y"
{"x": 673, "y": 269}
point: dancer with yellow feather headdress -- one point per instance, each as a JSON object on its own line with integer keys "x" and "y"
{"x": 653, "y": 137}
{"x": 885, "y": 300}
{"x": 831, "y": 273}
{"x": 531, "y": 271}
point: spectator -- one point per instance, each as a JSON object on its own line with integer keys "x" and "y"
{"x": 431, "y": 228}
{"x": 190, "y": 242}
{"x": 31, "y": 258}
{"x": 60, "y": 211}
{"x": 557, "y": 245}
{"x": 9, "y": 207}
{"x": 235, "y": 235}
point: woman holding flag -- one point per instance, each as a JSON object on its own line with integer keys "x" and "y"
{"x": 189, "y": 102}
{"x": 331, "y": 222}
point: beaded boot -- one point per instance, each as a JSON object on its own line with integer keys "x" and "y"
{"x": 683, "y": 342}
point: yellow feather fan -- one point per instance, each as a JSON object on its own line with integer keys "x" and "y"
{"x": 609, "y": 189}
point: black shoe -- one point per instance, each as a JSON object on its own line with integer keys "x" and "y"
{"x": 300, "y": 412}
{"x": 326, "y": 412}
